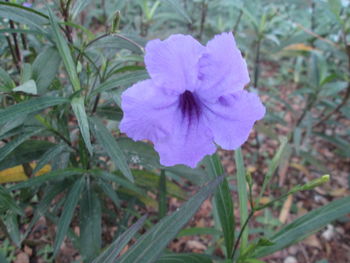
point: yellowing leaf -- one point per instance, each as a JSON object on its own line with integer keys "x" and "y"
{"x": 284, "y": 214}
{"x": 338, "y": 192}
{"x": 299, "y": 47}
{"x": 14, "y": 174}
{"x": 301, "y": 168}
{"x": 264, "y": 200}
{"x": 17, "y": 174}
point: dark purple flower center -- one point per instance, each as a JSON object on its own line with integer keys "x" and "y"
{"x": 189, "y": 106}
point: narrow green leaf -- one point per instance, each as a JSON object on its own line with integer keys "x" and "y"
{"x": 176, "y": 6}
{"x": 42, "y": 74}
{"x": 109, "y": 191}
{"x": 150, "y": 245}
{"x": 28, "y": 87}
{"x": 275, "y": 162}
{"x": 253, "y": 260}
{"x": 195, "y": 231}
{"x": 78, "y": 6}
{"x": 40, "y": 210}
{"x": 110, "y": 177}
{"x": 6, "y": 83}
{"x": 110, "y": 113}
{"x": 26, "y": 72}
{"x": 54, "y": 175}
{"x": 29, "y": 106}
{"x": 242, "y": 195}
{"x": 24, "y": 15}
{"x": 184, "y": 258}
{"x": 139, "y": 153}
{"x": 13, "y": 144}
{"x": 306, "y": 225}
{"x": 250, "y": 17}
{"x": 335, "y": 7}
{"x": 151, "y": 181}
{"x": 122, "y": 80}
{"x": 65, "y": 53}
{"x": 90, "y": 224}
{"x": 3, "y": 259}
{"x": 110, "y": 145}
{"x": 11, "y": 223}
{"x": 109, "y": 255}
{"x": 67, "y": 213}
{"x": 162, "y": 195}
{"x": 8, "y": 203}
{"x": 119, "y": 41}
{"x": 28, "y": 151}
{"x": 224, "y": 203}
{"x": 197, "y": 176}
{"x": 49, "y": 155}
{"x": 80, "y": 113}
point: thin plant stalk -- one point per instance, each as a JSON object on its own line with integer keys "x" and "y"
{"x": 235, "y": 27}
{"x": 243, "y": 196}
{"x": 203, "y": 18}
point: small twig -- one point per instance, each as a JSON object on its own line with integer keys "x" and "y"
{"x": 315, "y": 35}
{"x": 344, "y": 101}
{"x": 241, "y": 233}
{"x": 51, "y": 129}
{"x": 65, "y": 14}
{"x": 307, "y": 108}
{"x": 24, "y": 41}
{"x": 257, "y": 63}
{"x": 203, "y": 18}
{"x": 13, "y": 54}
{"x": 107, "y": 35}
{"x": 96, "y": 103}
{"x": 14, "y": 36}
{"x": 347, "y": 93}
{"x": 235, "y": 27}
{"x": 27, "y": 169}
{"x": 304, "y": 252}
{"x": 313, "y": 20}
{"x": 3, "y": 228}
{"x": 105, "y": 17}
{"x": 162, "y": 198}
{"x": 185, "y": 5}
{"x": 256, "y": 78}
{"x": 17, "y": 50}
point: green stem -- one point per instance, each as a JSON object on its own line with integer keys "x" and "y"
{"x": 240, "y": 235}
{"x": 203, "y": 18}
{"x": 237, "y": 22}
{"x": 243, "y": 195}
{"x": 51, "y": 129}
{"x": 13, "y": 54}
{"x": 162, "y": 200}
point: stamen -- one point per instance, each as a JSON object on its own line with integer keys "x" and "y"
{"x": 189, "y": 106}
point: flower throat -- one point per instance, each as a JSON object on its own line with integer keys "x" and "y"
{"x": 189, "y": 106}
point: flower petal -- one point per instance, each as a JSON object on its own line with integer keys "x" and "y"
{"x": 173, "y": 63}
{"x": 222, "y": 69}
{"x": 147, "y": 112}
{"x": 232, "y": 118}
{"x": 188, "y": 143}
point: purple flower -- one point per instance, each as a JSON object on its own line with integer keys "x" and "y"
{"x": 194, "y": 99}
{"x": 26, "y": 4}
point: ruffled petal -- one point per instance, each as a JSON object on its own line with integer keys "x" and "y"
{"x": 147, "y": 112}
{"x": 222, "y": 69}
{"x": 173, "y": 63}
{"x": 232, "y": 117}
{"x": 188, "y": 143}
